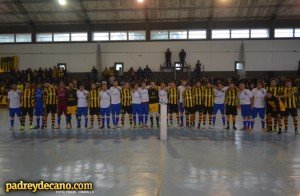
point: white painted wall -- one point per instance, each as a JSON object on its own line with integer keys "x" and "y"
{"x": 261, "y": 55}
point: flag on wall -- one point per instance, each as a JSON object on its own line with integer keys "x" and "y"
{"x": 9, "y": 64}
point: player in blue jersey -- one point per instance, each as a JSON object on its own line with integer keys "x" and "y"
{"x": 38, "y": 105}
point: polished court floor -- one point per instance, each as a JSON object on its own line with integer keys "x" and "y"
{"x": 136, "y": 163}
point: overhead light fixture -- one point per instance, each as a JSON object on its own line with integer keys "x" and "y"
{"x": 140, "y": 1}
{"x": 62, "y": 2}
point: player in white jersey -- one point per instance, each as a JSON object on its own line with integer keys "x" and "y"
{"x": 14, "y": 104}
{"x": 82, "y": 108}
{"x": 115, "y": 93}
{"x": 258, "y": 104}
{"x": 181, "y": 89}
{"x": 163, "y": 93}
{"x": 145, "y": 104}
{"x": 136, "y": 105}
{"x": 219, "y": 103}
{"x": 245, "y": 97}
{"x": 105, "y": 105}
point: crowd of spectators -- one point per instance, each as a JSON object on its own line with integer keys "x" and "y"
{"x": 54, "y": 74}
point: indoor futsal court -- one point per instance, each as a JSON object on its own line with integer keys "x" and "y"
{"x": 150, "y": 97}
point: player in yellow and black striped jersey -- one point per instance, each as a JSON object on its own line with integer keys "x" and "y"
{"x": 94, "y": 105}
{"x": 289, "y": 96}
{"x": 208, "y": 102}
{"x": 173, "y": 98}
{"x": 126, "y": 98}
{"x": 198, "y": 100}
{"x": 153, "y": 103}
{"x": 50, "y": 102}
{"x": 231, "y": 101}
{"x": 276, "y": 107}
{"x": 276, "y": 91}
{"x": 27, "y": 102}
{"x": 188, "y": 103}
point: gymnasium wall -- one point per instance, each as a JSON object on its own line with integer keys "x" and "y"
{"x": 260, "y": 55}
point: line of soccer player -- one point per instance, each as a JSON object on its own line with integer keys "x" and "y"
{"x": 140, "y": 101}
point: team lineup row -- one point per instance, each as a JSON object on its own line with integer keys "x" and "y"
{"x": 276, "y": 103}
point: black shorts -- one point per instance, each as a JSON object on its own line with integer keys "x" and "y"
{"x": 231, "y": 110}
{"x": 198, "y": 108}
{"x": 291, "y": 112}
{"x": 126, "y": 109}
{"x": 52, "y": 108}
{"x": 26, "y": 111}
{"x": 274, "y": 114}
{"x": 94, "y": 111}
{"x": 172, "y": 108}
{"x": 189, "y": 110}
{"x": 208, "y": 110}
{"x": 269, "y": 112}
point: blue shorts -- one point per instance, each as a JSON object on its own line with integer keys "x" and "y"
{"x": 115, "y": 109}
{"x": 105, "y": 111}
{"x": 145, "y": 108}
{"x": 82, "y": 111}
{"x": 246, "y": 110}
{"x": 39, "y": 111}
{"x": 136, "y": 109}
{"x": 14, "y": 111}
{"x": 258, "y": 111}
{"x": 218, "y": 107}
{"x": 181, "y": 109}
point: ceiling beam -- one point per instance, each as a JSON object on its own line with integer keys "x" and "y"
{"x": 152, "y": 9}
{"x": 140, "y": 25}
{"x": 212, "y": 10}
{"x": 293, "y": 20}
{"x": 276, "y": 10}
{"x": 85, "y": 13}
{"x": 24, "y": 12}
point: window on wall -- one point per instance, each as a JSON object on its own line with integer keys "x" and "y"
{"x": 61, "y": 37}
{"x": 101, "y": 36}
{"x": 44, "y": 37}
{"x": 282, "y": 33}
{"x": 178, "y": 34}
{"x": 7, "y": 38}
{"x": 26, "y": 37}
{"x": 118, "y": 36}
{"x": 240, "y": 33}
{"x": 259, "y": 33}
{"x": 159, "y": 35}
{"x": 76, "y": 37}
{"x": 197, "y": 34}
{"x": 297, "y": 32}
{"x": 220, "y": 34}
{"x": 137, "y": 35}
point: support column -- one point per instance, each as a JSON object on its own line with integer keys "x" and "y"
{"x": 163, "y": 121}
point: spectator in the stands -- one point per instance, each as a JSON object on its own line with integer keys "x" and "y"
{"x": 168, "y": 55}
{"x": 120, "y": 73}
{"x": 139, "y": 74}
{"x": 131, "y": 74}
{"x": 197, "y": 70}
{"x": 111, "y": 71}
{"x": 29, "y": 75}
{"x": 94, "y": 73}
{"x": 106, "y": 74}
{"x": 147, "y": 72}
{"x": 182, "y": 56}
